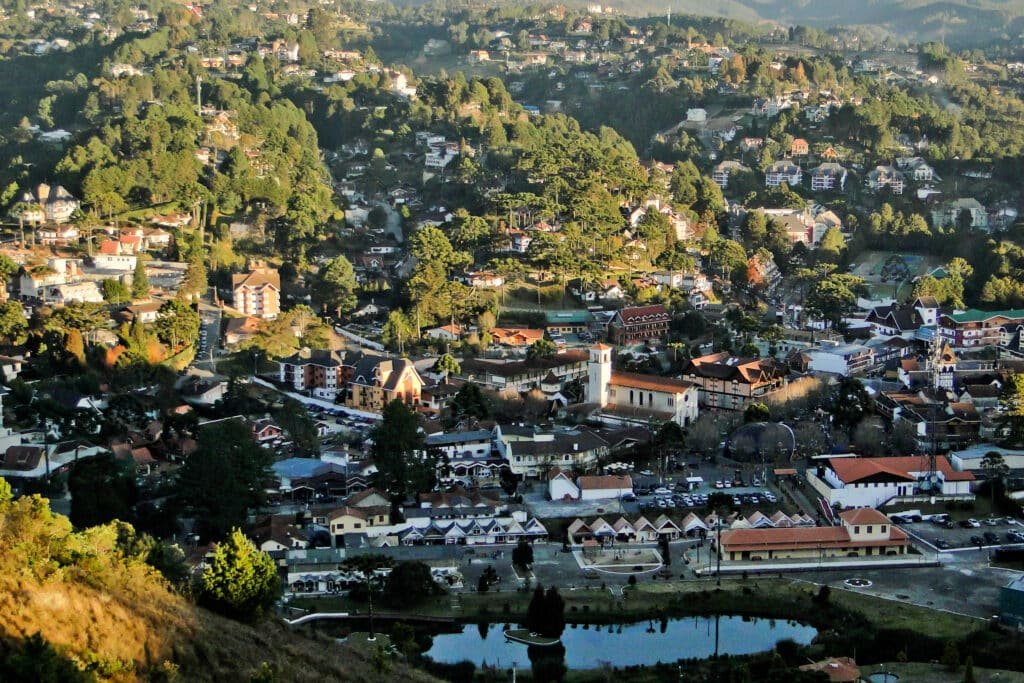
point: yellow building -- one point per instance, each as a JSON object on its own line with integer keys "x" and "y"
{"x": 864, "y": 532}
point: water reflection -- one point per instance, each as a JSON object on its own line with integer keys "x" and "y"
{"x": 643, "y": 642}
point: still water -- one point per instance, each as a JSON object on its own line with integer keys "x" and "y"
{"x": 626, "y": 644}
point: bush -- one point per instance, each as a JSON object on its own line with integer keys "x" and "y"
{"x": 632, "y": 580}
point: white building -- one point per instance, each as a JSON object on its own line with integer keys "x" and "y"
{"x": 627, "y": 397}
{"x": 561, "y": 486}
{"x": 840, "y": 359}
{"x": 783, "y": 172}
{"x": 853, "y": 482}
{"x": 607, "y": 486}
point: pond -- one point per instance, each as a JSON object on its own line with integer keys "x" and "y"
{"x": 646, "y": 642}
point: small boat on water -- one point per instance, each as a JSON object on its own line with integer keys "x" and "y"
{"x": 524, "y": 636}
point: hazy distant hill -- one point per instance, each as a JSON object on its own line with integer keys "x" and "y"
{"x": 958, "y": 21}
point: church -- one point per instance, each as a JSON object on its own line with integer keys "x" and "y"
{"x": 633, "y": 398}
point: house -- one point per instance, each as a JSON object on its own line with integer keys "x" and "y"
{"x": 532, "y": 452}
{"x": 762, "y": 273}
{"x": 568, "y": 322}
{"x": 605, "y": 486}
{"x": 120, "y": 262}
{"x": 882, "y": 177}
{"x": 917, "y": 168}
{"x": 516, "y": 336}
{"x": 973, "y": 327}
{"x": 49, "y": 203}
{"x": 1011, "y": 603}
{"x": 561, "y": 485}
{"x": 950, "y": 213}
{"x": 266, "y": 430}
{"x": 729, "y": 382}
{"x": 639, "y": 324}
{"x": 64, "y": 294}
{"x": 279, "y": 533}
{"x": 237, "y": 330}
{"x": 724, "y": 170}
{"x": 895, "y": 320}
{"x": 198, "y": 392}
{"x": 257, "y": 293}
{"x": 478, "y": 56}
{"x": 846, "y": 360}
{"x": 861, "y": 533}
{"x": 828, "y": 176}
{"x": 940, "y": 421}
{"x": 376, "y": 381}
{"x": 799, "y": 148}
{"x": 58, "y": 235}
{"x": 783, "y": 172}
{"x": 626, "y": 397}
{"x": 450, "y": 332}
{"x": 872, "y": 482}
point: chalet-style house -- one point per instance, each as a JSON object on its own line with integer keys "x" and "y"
{"x": 731, "y": 383}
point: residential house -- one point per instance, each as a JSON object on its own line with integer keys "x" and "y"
{"x": 639, "y": 324}
{"x": 266, "y": 430}
{"x": 627, "y": 397}
{"x": 799, "y": 148}
{"x": 950, "y": 213}
{"x": 561, "y": 486}
{"x": 917, "y": 168}
{"x": 450, "y": 332}
{"x": 939, "y": 419}
{"x": 882, "y": 177}
{"x": 568, "y": 322}
{"x": 729, "y": 382}
{"x": 257, "y": 293}
{"x": 895, "y": 320}
{"x": 49, "y": 203}
{"x": 518, "y": 337}
{"x": 762, "y": 273}
{"x": 237, "y": 330}
{"x": 783, "y": 172}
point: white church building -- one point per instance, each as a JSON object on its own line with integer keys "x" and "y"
{"x": 633, "y": 398}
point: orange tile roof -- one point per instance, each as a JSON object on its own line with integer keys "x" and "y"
{"x": 854, "y": 469}
{"x": 607, "y": 481}
{"x": 795, "y": 538}
{"x": 649, "y": 382}
{"x": 864, "y": 516}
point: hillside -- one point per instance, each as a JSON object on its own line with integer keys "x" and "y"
{"x": 92, "y": 597}
{"x": 959, "y": 22}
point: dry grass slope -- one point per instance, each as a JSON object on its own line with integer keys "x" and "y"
{"x": 102, "y": 607}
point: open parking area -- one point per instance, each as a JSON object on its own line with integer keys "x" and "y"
{"x": 943, "y": 533}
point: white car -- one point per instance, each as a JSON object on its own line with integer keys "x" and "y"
{"x": 662, "y": 491}
{"x": 719, "y": 484}
{"x": 974, "y": 523}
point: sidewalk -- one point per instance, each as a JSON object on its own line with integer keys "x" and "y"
{"x": 819, "y": 565}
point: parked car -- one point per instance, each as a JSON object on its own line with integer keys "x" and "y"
{"x": 990, "y": 537}
{"x": 942, "y": 544}
{"x": 973, "y": 524}
{"x": 662, "y": 491}
{"x": 991, "y": 521}
{"x": 977, "y": 540}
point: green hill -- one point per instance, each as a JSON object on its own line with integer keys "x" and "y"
{"x": 91, "y": 596}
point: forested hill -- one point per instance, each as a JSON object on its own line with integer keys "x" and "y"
{"x": 89, "y": 606}
{"x": 960, "y": 23}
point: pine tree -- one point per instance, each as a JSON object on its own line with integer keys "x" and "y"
{"x": 241, "y": 580}
{"x": 140, "y": 283}
{"x": 74, "y": 346}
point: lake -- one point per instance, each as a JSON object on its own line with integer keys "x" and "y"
{"x": 588, "y": 647}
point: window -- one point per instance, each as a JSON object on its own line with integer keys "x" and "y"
{"x": 870, "y": 529}
{"x": 856, "y": 529}
{"x": 630, "y": 397}
{"x": 883, "y": 528}
{"x": 671, "y": 401}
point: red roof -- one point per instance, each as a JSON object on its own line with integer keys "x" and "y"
{"x": 739, "y": 540}
{"x": 607, "y": 481}
{"x": 864, "y": 516}
{"x": 110, "y": 247}
{"x": 650, "y": 382}
{"x": 641, "y": 314}
{"x": 851, "y": 470}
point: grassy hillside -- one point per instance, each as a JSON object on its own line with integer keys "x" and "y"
{"x": 93, "y": 598}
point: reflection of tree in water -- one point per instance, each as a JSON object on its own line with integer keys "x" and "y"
{"x": 483, "y": 627}
{"x": 547, "y": 663}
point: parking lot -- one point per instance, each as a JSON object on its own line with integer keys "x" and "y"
{"x": 942, "y": 533}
